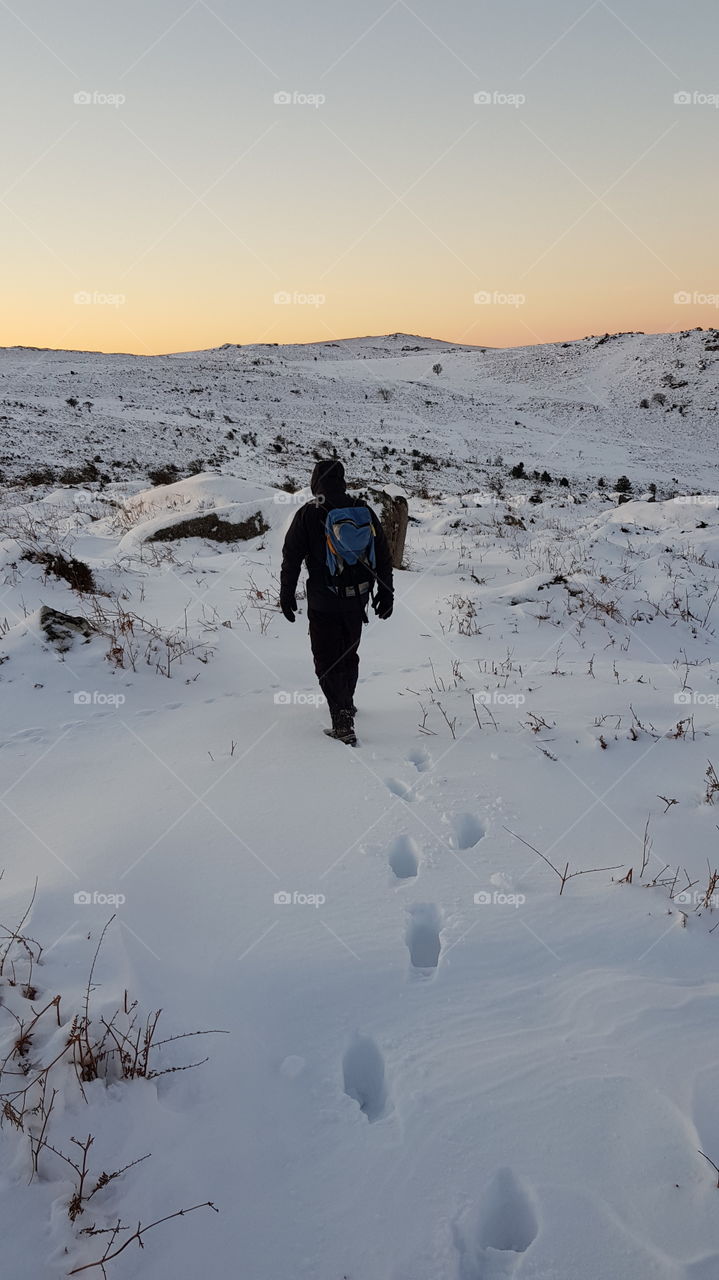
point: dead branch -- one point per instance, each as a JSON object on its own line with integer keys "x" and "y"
{"x": 137, "y": 1235}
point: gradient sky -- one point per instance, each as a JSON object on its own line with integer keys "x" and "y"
{"x": 173, "y": 220}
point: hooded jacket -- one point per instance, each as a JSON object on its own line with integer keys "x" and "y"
{"x": 306, "y": 541}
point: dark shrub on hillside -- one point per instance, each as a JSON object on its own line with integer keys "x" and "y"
{"x": 163, "y": 475}
{"x": 38, "y": 475}
{"x": 85, "y": 474}
{"x": 75, "y": 573}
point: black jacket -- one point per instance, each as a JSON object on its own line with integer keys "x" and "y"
{"x": 306, "y": 541}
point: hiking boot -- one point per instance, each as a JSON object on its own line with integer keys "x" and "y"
{"x": 343, "y": 728}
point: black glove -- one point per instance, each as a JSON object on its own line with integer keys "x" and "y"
{"x": 288, "y": 605}
{"x": 383, "y": 603}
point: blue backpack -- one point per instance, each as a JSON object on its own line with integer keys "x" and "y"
{"x": 351, "y": 563}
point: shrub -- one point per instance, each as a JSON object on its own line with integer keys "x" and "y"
{"x": 85, "y": 474}
{"x": 38, "y": 475}
{"x": 167, "y": 474}
{"x": 76, "y": 573}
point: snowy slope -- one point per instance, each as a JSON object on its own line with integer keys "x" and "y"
{"x": 573, "y": 408}
{"x": 438, "y": 1067}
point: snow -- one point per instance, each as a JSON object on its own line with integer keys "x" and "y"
{"x": 436, "y": 1065}
{"x": 569, "y": 407}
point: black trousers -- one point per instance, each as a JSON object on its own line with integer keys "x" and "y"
{"x": 335, "y": 638}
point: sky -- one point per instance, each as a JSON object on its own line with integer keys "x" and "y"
{"x": 178, "y": 175}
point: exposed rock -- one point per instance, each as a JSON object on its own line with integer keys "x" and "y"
{"x": 62, "y": 629}
{"x": 214, "y": 527}
{"x": 394, "y": 514}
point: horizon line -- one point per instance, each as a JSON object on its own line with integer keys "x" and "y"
{"x": 370, "y": 337}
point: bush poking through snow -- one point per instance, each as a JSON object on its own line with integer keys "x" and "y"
{"x": 135, "y": 640}
{"x": 75, "y": 573}
{"x": 712, "y": 784}
{"x": 42, "y": 542}
{"x": 164, "y": 475}
{"x": 36, "y": 1069}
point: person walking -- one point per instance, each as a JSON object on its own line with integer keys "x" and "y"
{"x": 349, "y": 564}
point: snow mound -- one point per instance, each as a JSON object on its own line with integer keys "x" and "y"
{"x": 229, "y": 500}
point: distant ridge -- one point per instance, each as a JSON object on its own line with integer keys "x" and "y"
{"x": 407, "y": 341}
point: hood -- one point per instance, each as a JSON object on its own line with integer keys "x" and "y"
{"x": 328, "y": 477}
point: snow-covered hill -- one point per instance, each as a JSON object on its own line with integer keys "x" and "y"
{"x": 438, "y": 1066}
{"x": 569, "y": 407}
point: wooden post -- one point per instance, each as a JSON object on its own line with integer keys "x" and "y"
{"x": 394, "y": 514}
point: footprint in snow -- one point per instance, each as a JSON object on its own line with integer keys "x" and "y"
{"x": 420, "y": 758}
{"x": 489, "y": 1244}
{"x": 422, "y": 937}
{"x": 403, "y": 857}
{"x": 399, "y": 788}
{"x": 364, "y": 1077}
{"x": 467, "y": 831}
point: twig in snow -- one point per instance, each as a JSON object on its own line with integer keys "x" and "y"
{"x": 711, "y": 1162}
{"x": 136, "y": 1235}
{"x": 565, "y": 875}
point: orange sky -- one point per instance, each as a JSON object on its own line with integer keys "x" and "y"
{"x": 500, "y": 180}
